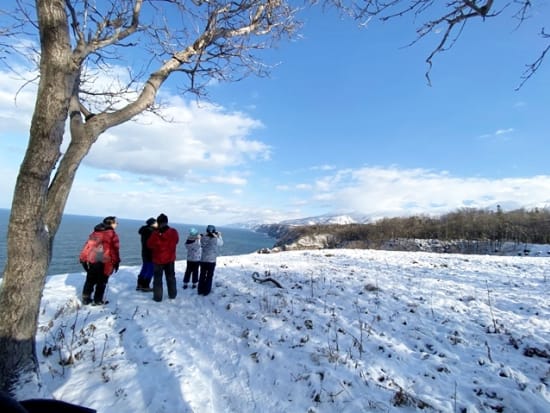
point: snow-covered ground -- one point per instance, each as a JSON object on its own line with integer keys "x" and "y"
{"x": 351, "y": 331}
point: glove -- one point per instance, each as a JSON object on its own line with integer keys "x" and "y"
{"x": 115, "y": 266}
{"x": 85, "y": 265}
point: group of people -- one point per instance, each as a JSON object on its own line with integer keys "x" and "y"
{"x": 158, "y": 253}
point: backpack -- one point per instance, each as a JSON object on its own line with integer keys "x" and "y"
{"x": 92, "y": 251}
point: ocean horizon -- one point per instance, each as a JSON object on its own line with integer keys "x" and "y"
{"x": 74, "y": 231}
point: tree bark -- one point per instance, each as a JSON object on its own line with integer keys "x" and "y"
{"x": 38, "y": 204}
{"x": 39, "y": 200}
{"x": 30, "y": 236}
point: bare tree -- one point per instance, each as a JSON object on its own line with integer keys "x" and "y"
{"x": 196, "y": 40}
{"x": 450, "y": 17}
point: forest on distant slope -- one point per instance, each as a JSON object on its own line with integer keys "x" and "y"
{"x": 520, "y": 226}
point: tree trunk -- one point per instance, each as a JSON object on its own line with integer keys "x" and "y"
{"x": 30, "y": 235}
{"x": 39, "y": 200}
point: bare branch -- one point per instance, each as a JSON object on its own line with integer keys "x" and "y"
{"x": 533, "y": 67}
{"x": 453, "y": 16}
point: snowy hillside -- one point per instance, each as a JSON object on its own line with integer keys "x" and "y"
{"x": 326, "y": 220}
{"x": 351, "y": 331}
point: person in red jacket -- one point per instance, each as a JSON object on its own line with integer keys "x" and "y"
{"x": 163, "y": 242}
{"x": 98, "y": 269}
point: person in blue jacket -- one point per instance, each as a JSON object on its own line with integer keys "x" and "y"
{"x": 147, "y": 267}
{"x": 210, "y": 244}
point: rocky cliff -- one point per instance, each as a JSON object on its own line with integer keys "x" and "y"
{"x": 290, "y": 238}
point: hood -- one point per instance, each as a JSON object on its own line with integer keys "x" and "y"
{"x": 100, "y": 227}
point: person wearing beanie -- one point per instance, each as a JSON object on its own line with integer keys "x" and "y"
{"x": 210, "y": 244}
{"x": 100, "y": 257}
{"x": 146, "y": 272}
{"x": 163, "y": 242}
{"x": 193, "y": 247}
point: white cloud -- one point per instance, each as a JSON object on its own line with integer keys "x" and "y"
{"x": 504, "y": 131}
{"x": 229, "y": 180}
{"x": 109, "y": 177}
{"x": 201, "y": 138}
{"x": 391, "y": 191}
{"x": 200, "y": 169}
{"x": 500, "y": 134}
{"x": 16, "y": 104}
{"x": 323, "y": 168}
{"x": 375, "y": 191}
{"x": 137, "y": 168}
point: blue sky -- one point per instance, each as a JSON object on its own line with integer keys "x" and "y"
{"x": 346, "y": 123}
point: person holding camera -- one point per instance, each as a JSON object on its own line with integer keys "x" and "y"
{"x": 193, "y": 247}
{"x": 210, "y": 245}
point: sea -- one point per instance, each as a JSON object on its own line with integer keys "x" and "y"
{"x": 74, "y": 231}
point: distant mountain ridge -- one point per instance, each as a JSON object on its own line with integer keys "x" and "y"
{"x": 294, "y": 234}
{"x": 282, "y": 231}
{"x": 328, "y": 219}
{"x": 470, "y": 231}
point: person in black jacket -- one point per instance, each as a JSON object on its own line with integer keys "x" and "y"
{"x": 146, "y": 272}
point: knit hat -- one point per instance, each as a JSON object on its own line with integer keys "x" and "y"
{"x": 193, "y": 232}
{"x": 151, "y": 221}
{"x": 162, "y": 219}
{"x": 210, "y": 229}
{"x": 110, "y": 220}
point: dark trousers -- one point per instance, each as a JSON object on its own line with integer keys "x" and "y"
{"x": 191, "y": 270}
{"x": 95, "y": 279}
{"x": 205, "y": 277}
{"x": 170, "y": 273}
{"x": 146, "y": 274}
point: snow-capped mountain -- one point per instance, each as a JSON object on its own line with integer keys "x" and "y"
{"x": 327, "y": 219}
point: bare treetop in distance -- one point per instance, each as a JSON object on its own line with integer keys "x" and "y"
{"x": 450, "y": 17}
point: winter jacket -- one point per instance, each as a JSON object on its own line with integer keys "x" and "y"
{"x": 163, "y": 242}
{"x": 193, "y": 246}
{"x": 145, "y": 232}
{"x": 111, "y": 247}
{"x": 210, "y": 247}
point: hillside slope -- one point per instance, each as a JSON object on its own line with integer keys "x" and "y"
{"x": 352, "y": 330}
